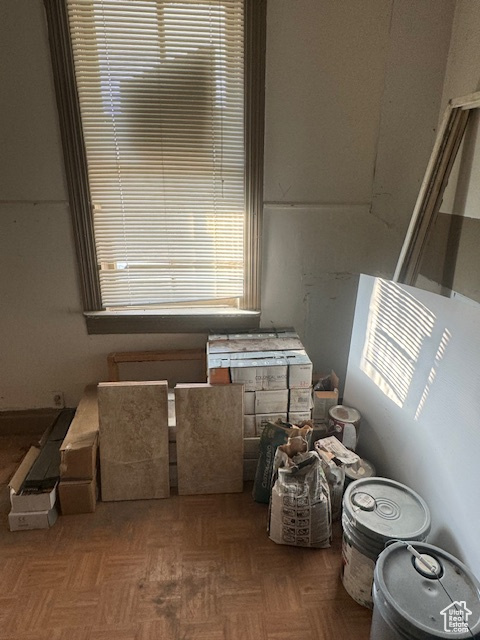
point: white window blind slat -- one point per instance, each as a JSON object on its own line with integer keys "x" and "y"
{"x": 161, "y": 93}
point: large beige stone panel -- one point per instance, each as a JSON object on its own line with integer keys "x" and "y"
{"x": 209, "y": 438}
{"x": 134, "y": 440}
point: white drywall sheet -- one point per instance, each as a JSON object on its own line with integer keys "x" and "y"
{"x": 414, "y": 375}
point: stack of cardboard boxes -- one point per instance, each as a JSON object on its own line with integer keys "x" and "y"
{"x": 273, "y": 367}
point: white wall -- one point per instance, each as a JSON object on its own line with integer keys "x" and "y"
{"x": 353, "y": 95}
{"x": 413, "y": 375}
{"x": 353, "y": 91}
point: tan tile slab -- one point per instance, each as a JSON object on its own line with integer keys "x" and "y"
{"x": 209, "y": 438}
{"x": 134, "y": 440}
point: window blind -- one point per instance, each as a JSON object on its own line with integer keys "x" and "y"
{"x": 161, "y": 93}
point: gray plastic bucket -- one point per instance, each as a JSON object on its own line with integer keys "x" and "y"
{"x": 413, "y": 601}
{"x": 375, "y": 512}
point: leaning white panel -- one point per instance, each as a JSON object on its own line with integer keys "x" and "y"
{"x": 414, "y": 375}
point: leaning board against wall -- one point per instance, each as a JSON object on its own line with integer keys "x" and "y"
{"x": 413, "y": 374}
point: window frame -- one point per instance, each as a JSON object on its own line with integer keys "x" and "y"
{"x": 174, "y": 320}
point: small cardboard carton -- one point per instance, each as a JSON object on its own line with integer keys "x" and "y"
{"x": 32, "y": 520}
{"x": 300, "y": 369}
{"x": 24, "y": 502}
{"x": 261, "y": 420}
{"x": 248, "y": 426}
{"x": 249, "y": 403}
{"x": 297, "y": 418}
{"x": 324, "y": 400}
{"x": 271, "y": 401}
{"x": 78, "y": 453}
{"x": 300, "y": 399}
{"x": 260, "y": 374}
{"x": 77, "y": 496}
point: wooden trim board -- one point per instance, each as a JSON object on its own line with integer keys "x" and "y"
{"x": 449, "y": 138}
{"x": 172, "y": 355}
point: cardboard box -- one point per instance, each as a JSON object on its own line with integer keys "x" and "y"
{"x": 261, "y": 420}
{"x": 300, "y": 399}
{"x": 248, "y": 426}
{"x": 258, "y": 375}
{"x": 296, "y": 418}
{"x": 255, "y": 374}
{"x": 32, "y": 520}
{"x": 29, "y": 502}
{"x": 218, "y": 371}
{"x": 251, "y": 448}
{"x": 77, "y": 496}
{"x": 324, "y": 400}
{"x": 271, "y": 401}
{"x": 300, "y": 369}
{"x": 249, "y": 403}
{"x": 78, "y": 453}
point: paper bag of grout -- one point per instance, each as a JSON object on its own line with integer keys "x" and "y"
{"x": 300, "y": 510}
{"x": 336, "y": 480}
{"x": 273, "y": 435}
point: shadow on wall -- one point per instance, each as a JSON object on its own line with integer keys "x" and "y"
{"x": 444, "y": 539}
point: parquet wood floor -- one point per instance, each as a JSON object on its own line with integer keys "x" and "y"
{"x": 185, "y": 568}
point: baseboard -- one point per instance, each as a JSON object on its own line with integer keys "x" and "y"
{"x": 26, "y": 421}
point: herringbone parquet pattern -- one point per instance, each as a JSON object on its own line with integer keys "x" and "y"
{"x": 185, "y": 568}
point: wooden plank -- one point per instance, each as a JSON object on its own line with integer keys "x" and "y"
{"x": 414, "y": 220}
{"x": 154, "y": 356}
{"x": 113, "y": 372}
{"x": 444, "y": 174}
{"x": 133, "y": 419}
{"x": 209, "y": 422}
{"x": 470, "y": 101}
{"x": 171, "y": 355}
{"x": 78, "y": 452}
{"x": 431, "y": 193}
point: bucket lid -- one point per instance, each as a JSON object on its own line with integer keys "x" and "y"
{"x": 384, "y": 510}
{"x": 435, "y": 596}
{"x": 344, "y": 414}
{"x": 361, "y": 469}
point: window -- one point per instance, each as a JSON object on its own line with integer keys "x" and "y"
{"x": 161, "y": 110}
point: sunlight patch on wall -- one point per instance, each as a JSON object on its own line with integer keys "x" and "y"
{"x": 398, "y": 325}
{"x": 433, "y": 371}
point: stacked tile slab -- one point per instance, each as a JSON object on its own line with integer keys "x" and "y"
{"x": 134, "y": 451}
